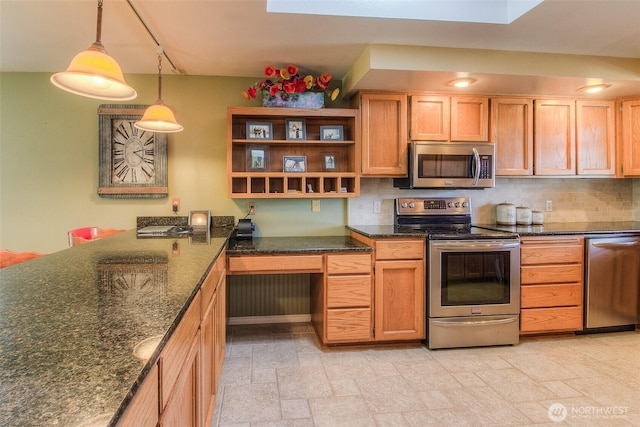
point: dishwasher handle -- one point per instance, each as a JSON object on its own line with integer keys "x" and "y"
{"x": 616, "y": 245}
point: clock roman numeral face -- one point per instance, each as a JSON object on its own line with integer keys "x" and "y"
{"x": 133, "y": 154}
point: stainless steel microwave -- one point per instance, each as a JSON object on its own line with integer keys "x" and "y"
{"x": 436, "y": 164}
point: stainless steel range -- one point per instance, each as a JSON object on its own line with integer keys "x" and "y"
{"x": 473, "y": 275}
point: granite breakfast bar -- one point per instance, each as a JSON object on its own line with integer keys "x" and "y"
{"x": 71, "y": 320}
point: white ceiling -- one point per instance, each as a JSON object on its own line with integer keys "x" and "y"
{"x": 239, "y": 37}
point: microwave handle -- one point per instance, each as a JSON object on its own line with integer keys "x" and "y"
{"x": 476, "y": 167}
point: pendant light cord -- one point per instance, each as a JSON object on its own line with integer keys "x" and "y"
{"x": 160, "y": 50}
{"x": 99, "y": 24}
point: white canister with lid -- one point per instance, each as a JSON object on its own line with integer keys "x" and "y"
{"x": 537, "y": 218}
{"x": 523, "y": 215}
{"x": 506, "y": 214}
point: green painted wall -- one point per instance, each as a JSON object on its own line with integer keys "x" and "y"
{"x": 49, "y": 163}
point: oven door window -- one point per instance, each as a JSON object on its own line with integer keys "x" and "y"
{"x": 471, "y": 278}
{"x": 445, "y": 166}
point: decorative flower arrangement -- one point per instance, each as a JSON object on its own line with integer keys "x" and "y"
{"x": 287, "y": 83}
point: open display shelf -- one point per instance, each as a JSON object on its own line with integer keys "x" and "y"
{"x": 267, "y": 164}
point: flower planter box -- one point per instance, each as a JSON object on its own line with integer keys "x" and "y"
{"x": 295, "y": 100}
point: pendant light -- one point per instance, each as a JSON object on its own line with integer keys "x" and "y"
{"x": 94, "y": 74}
{"x": 158, "y": 117}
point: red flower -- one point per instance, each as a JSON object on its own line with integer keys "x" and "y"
{"x": 269, "y": 71}
{"x": 273, "y": 90}
{"x": 289, "y": 86}
{"x": 252, "y": 92}
{"x": 323, "y": 80}
{"x": 292, "y": 70}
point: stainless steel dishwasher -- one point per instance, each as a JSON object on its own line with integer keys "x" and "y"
{"x": 612, "y": 282}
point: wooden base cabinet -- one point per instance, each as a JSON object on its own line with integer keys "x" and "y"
{"x": 551, "y": 277}
{"x": 399, "y": 278}
{"x": 180, "y": 389}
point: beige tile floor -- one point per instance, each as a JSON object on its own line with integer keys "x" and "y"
{"x": 277, "y": 375}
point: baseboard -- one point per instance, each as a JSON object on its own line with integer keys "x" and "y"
{"x": 255, "y": 320}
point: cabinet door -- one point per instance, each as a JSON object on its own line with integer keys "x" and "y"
{"x": 554, "y": 137}
{"x": 469, "y": 118}
{"x": 399, "y": 300}
{"x": 595, "y": 137}
{"x": 384, "y": 134}
{"x": 631, "y": 137}
{"x": 183, "y": 405}
{"x": 220, "y": 328}
{"x": 430, "y": 118}
{"x": 207, "y": 356}
{"x": 512, "y": 132}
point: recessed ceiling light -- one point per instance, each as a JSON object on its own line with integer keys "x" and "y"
{"x": 463, "y": 82}
{"x": 594, "y": 88}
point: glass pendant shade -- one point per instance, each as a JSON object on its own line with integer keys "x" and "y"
{"x": 158, "y": 118}
{"x": 94, "y": 74}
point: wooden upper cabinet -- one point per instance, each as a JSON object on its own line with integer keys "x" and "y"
{"x": 384, "y": 134}
{"x": 469, "y": 118}
{"x": 430, "y": 118}
{"x": 595, "y": 137}
{"x": 554, "y": 137}
{"x": 512, "y": 132}
{"x": 449, "y": 118}
{"x": 631, "y": 137}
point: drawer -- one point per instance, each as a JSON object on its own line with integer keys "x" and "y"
{"x": 551, "y": 319}
{"x": 400, "y": 249}
{"x": 349, "y": 263}
{"x": 349, "y": 325}
{"x": 551, "y": 295}
{"x": 551, "y": 254}
{"x": 275, "y": 263}
{"x": 349, "y": 291}
{"x": 210, "y": 282}
{"x": 177, "y": 348}
{"x": 550, "y": 274}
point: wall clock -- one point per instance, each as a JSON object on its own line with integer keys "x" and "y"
{"x": 132, "y": 162}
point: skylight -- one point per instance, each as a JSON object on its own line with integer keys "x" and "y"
{"x": 479, "y": 11}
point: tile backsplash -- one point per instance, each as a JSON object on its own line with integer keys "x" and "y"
{"x": 573, "y": 199}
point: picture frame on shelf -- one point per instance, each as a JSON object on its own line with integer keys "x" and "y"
{"x": 259, "y": 130}
{"x": 294, "y": 163}
{"x": 296, "y": 129}
{"x": 257, "y": 158}
{"x": 329, "y": 162}
{"x": 331, "y": 133}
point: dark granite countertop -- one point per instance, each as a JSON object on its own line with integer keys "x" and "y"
{"x": 294, "y": 245}
{"x": 382, "y": 231}
{"x": 586, "y": 228}
{"x": 70, "y": 321}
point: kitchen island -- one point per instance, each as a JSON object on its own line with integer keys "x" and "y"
{"x": 72, "y": 320}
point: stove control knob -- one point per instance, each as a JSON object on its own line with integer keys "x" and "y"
{"x": 404, "y": 204}
{"x": 450, "y": 204}
{"x": 465, "y": 204}
{"x": 457, "y": 204}
{"x": 412, "y": 205}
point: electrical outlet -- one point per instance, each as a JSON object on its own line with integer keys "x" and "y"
{"x": 548, "y": 206}
{"x": 251, "y": 208}
{"x": 315, "y": 206}
{"x": 175, "y": 205}
{"x": 377, "y": 207}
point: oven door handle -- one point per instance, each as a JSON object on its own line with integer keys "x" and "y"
{"x": 454, "y": 323}
{"x": 467, "y": 245}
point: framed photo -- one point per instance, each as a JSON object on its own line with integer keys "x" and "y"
{"x": 257, "y": 157}
{"x": 329, "y": 162}
{"x": 296, "y": 129}
{"x": 294, "y": 163}
{"x": 256, "y": 130}
{"x": 331, "y": 133}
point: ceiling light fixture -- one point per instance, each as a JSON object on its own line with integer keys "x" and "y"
{"x": 463, "y": 82}
{"x": 594, "y": 88}
{"x": 158, "y": 117}
{"x": 94, "y": 74}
